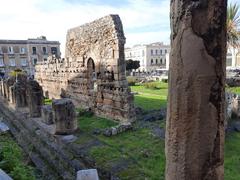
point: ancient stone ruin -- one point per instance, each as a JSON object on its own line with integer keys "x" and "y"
{"x": 93, "y": 71}
{"x": 195, "y": 118}
{"x": 64, "y": 116}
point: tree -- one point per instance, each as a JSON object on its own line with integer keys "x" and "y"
{"x": 233, "y": 25}
{"x": 131, "y": 64}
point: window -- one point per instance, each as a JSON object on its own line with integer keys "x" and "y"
{"x": 12, "y": 62}
{"x": 34, "y": 50}
{"x": 156, "y": 61}
{"x": 34, "y": 61}
{"x": 156, "y": 51}
{"x": 151, "y": 61}
{"x": 23, "y": 62}
{"x": 1, "y": 62}
{"x": 10, "y": 49}
{"x": 160, "y": 51}
{"x": 161, "y": 61}
{"x": 0, "y": 50}
{"x": 151, "y": 52}
{"x": 165, "y": 51}
{"x": 22, "y": 50}
{"x": 54, "y": 50}
{"x": 44, "y": 50}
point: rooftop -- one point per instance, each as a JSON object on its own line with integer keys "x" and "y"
{"x": 38, "y": 40}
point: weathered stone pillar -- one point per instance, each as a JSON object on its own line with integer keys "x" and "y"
{"x": 18, "y": 94}
{"x": 35, "y": 98}
{"x": 195, "y": 118}
{"x": 11, "y": 95}
{"x": 64, "y": 116}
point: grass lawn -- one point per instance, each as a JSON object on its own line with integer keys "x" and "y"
{"x": 142, "y": 148}
{"x": 232, "y": 157}
{"x": 149, "y": 99}
{"x": 139, "y": 149}
{"x": 235, "y": 90}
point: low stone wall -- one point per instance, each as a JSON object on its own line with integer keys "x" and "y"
{"x": 58, "y": 157}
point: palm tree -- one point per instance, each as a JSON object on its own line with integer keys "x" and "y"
{"x": 233, "y": 25}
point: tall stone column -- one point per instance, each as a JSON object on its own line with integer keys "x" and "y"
{"x": 195, "y": 117}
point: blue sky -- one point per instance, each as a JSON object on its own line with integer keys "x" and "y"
{"x": 144, "y": 21}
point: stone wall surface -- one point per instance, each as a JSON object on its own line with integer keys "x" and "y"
{"x": 93, "y": 71}
{"x": 195, "y": 117}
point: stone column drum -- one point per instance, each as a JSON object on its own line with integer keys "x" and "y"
{"x": 195, "y": 117}
{"x": 64, "y": 116}
{"x": 35, "y": 98}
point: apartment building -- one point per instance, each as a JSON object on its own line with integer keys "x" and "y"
{"x": 24, "y": 54}
{"x": 151, "y": 56}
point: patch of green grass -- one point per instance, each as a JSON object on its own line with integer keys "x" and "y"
{"x": 232, "y": 157}
{"x": 235, "y": 90}
{"x": 89, "y": 123}
{"x": 149, "y": 99}
{"x": 12, "y": 159}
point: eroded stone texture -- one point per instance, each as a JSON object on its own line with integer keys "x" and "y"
{"x": 35, "y": 98}
{"x": 7, "y": 83}
{"x": 47, "y": 114}
{"x": 19, "y": 94}
{"x": 93, "y": 72}
{"x": 64, "y": 116}
{"x": 195, "y": 118}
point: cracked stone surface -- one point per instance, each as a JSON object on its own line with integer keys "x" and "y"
{"x": 195, "y": 117}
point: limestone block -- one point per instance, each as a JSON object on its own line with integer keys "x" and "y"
{"x": 64, "y": 116}
{"x": 4, "y": 176}
{"x": 47, "y": 114}
{"x": 89, "y": 174}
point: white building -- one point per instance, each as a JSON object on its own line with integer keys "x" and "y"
{"x": 151, "y": 56}
{"x": 233, "y": 57}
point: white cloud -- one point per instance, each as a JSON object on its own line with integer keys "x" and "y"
{"x": 22, "y": 19}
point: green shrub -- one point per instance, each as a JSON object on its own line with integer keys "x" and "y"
{"x": 151, "y": 85}
{"x": 131, "y": 81}
{"x": 47, "y": 101}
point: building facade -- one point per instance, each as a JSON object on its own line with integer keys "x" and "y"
{"x": 233, "y": 57}
{"x": 24, "y": 54}
{"x": 151, "y": 56}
